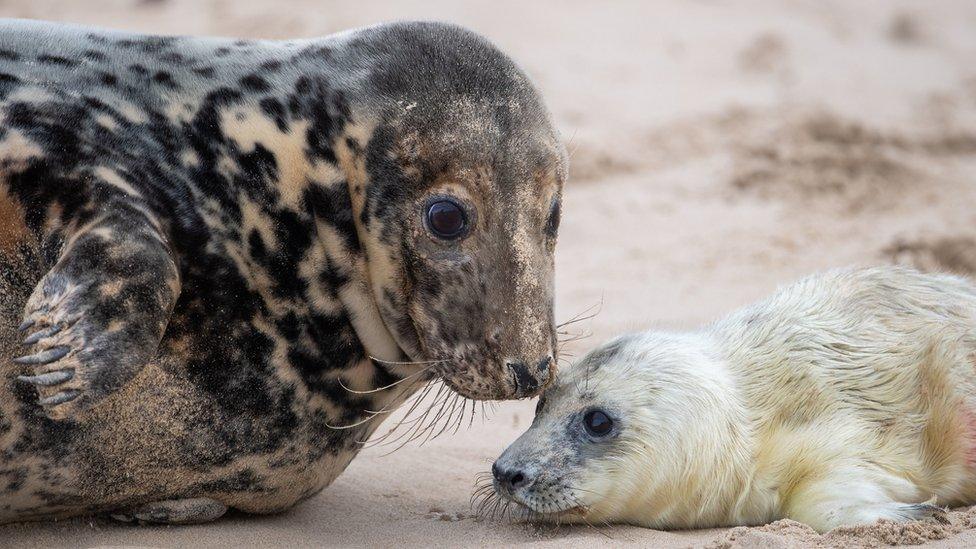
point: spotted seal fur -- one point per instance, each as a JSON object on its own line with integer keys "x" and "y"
{"x": 218, "y": 257}
{"x": 844, "y": 398}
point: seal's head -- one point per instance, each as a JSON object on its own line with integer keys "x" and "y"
{"x": 622, "y": 434}
{"x": 459, "y": 206}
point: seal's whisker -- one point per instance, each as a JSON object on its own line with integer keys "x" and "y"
{"x": 392, "y": 405}
{"x": 413, "y": 422}
{"x": 578, "y": 489}
{"x": 572, "y": 145}
{"x": 574, "y": 338}
{"x": 577, "y": 503}
{"x": 446, "y": 408}
{"x": 422, "y": 394}
{"x": 484, "y": 488}
{"x": 408, "y": 362}
{"x": 445, "y": 411}
{"x": 486, "y": 502}
{"x": 370, "y": 416}
{"x": 421, "y": 428}
{"x": 378, "y": 389}
{"x": 371, "y": 413}
{"x": 584, "y": 315}
{"x": 496, "y": 501}
{"x": 460, "y": 419}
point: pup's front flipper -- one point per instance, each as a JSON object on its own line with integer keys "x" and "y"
{"x": 174, "y": 511}
{"x": 918, "y": 511}
{"x": 846, "y": 500}
{"x": 96, "y": 318}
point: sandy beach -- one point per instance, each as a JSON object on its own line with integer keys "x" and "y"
{"x": 718, "y": 149}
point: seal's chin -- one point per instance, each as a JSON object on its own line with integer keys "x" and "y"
{"x": 479, "y": 389}
{"x": 550, "y": 513}
{"x": 543, "y": 511}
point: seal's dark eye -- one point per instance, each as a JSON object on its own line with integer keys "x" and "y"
{"x": 597, "y": 423}
{"x": 552, "y": 222}
{"x": 446, "y": 219}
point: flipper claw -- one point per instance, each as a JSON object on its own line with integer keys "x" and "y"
{"x": 41, "y": 334}
{"x": 44, "y": 357}
{"x": 59, "y": 398}
{"x": 49, "y": 378}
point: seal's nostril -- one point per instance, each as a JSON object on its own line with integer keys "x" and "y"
{"x": 510, "y": 479}
{"x": 544, "y": 364}
{"x": 517, "y": 480}
{"x": 525, "y": 383}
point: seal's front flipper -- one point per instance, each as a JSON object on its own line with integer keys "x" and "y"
{"x": 921, "y": 511}
{"x": 856, "y": 496}
{"x": 893, "y": 511}
{"x": 96, "y": 318}
{"x": 174, "y": 511}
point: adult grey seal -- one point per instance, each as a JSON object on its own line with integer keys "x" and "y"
{"x": 844, "y": 398}
{"x": 219, "y": 257}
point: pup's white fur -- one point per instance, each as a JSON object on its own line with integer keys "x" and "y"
{"x": 844, "y": 398}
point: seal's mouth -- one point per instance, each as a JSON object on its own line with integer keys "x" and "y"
{"x": 547, "y": 512}
{"x": 499, "y": 381}
{"x": 542, "y": 508}
{"x": 510, "y": 392}
{"x": 476, "y": 387}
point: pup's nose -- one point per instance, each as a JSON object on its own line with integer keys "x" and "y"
{"x": 528, "y": 381}
{"x": 511, "y": 479}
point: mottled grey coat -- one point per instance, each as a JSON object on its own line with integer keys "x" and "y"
{"x": 211, "y": 245}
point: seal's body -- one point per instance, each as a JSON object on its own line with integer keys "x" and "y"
{"x": 214, "y": 252}
{"x": 844, "y": 398}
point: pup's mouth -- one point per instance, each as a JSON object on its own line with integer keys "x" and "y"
{"x": 540, "y": 510}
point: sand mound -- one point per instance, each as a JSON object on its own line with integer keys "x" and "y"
{"x": 906, "y": 28}
{"x": 767, "y": 53}
{"x": 788, "y": 534}
{"x": 590, "y": 163}
{"x": 948, "y": 254}
{"x": 824, "y": 158}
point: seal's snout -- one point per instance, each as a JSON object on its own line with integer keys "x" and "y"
{"x": 529, "y": 380}
{"x": 510, "y": 479}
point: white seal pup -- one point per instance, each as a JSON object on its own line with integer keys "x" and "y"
{"x": 844, "y": 398}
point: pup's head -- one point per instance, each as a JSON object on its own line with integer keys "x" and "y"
{"x": 616, "y": 433}
{"x": 460, "y": 208}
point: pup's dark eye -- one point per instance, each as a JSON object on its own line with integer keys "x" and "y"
{"x": 597, "y": 423}
{"x": 446, "y": 219}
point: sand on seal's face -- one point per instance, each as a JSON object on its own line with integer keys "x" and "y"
{"x": 663, "y": 106}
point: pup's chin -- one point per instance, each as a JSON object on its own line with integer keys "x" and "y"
{"x": 575, "y": 514}
{"x": 567, "y": 516}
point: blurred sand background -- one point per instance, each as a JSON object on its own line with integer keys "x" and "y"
{"x": 719, "y": 149}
